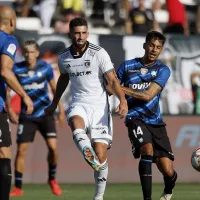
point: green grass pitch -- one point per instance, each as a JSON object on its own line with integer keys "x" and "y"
{"x": 183, "y": 191}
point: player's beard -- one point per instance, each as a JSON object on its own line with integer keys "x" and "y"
{"x": 80, "y": 45}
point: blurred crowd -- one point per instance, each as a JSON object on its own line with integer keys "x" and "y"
{"x": 111, "y": 16}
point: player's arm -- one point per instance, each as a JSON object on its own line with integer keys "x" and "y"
{"x": 12, "y": 115}
{"x": 115, "y": 88}
{"x": 62, "y": 83}
{"x": 6, "y": 63}
{"x": 155, "y": 87}
{"x": 145, "y": 95}
{"x": 61, "y": 115}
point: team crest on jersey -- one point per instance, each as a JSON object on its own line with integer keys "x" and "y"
{"x": 39, "y": 74}
{"x": 31, "y": 73}
{"x": 153, "y": 73}
{"x": 87, "y": 63}
{"x": 143, "y": 71}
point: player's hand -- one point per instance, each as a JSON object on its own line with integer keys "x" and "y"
{"x": 29, "y": 104}
{"x": 50, "y": 109}
{"x": 13, "y": 117}
{"x": 122, "y": 109}
{"x": 61, "y": 119}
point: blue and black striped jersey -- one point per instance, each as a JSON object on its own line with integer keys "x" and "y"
{"x": 8, "y": 46}
{"x": 35, "y": 83}
{"x": 133, "y": 74}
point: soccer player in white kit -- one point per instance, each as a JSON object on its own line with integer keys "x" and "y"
{"x": 89, "y": 68}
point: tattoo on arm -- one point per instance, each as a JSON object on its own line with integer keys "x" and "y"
{"x": 145, "y": 95}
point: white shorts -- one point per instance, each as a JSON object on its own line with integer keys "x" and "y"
{"x": 98, "y": 121}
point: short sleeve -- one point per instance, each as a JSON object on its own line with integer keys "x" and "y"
{"x": 61, "y": 66}
{"x": 50, "y": 74}
{"x": 10, "y": 47}
{"x": 162, "y": 77}
{"x": 120, "y": 73}
{"x": 105, "y": 63}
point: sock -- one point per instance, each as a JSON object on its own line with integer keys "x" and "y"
{"x": 81, "y": 139}
{"x": 101, "y": 179}
{"x": 170, "y": 183}
{"x": 5, "y": 178}
{"x": 145, "y": 171}
{"x": 52, "y": 172}
{"x": 18, "y": 179}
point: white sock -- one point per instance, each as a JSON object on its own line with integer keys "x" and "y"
{"x": 101, "y": 179}
{"x": 81, "y": 139}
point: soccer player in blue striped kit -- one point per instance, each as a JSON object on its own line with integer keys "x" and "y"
{"x": 143, "y": 80}
{"x": 35, "y": 75}
{"x": 8, "y": 48}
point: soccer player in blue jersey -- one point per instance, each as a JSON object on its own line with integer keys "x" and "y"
{"x": 143, "y": 80}
{"x": 34, "y": 75}
{"x": 8, "y": 48}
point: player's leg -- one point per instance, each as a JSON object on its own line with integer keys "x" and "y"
{"x": 141, "y": 140}
{"x": 77, "y": 119}
{"x": 100, "y": 176}
{"x": 25, "y": 135}
{"x": 101, "y": 135}
{"x": 5, "y": 156}
{"x": 164, "y": 161}
{"x": 47, "y": 128}
{"x": 165, "y": 165}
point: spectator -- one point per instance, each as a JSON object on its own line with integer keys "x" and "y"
{"x": 62, "y": 25}
{"x": 141, "y": 20}
{"x": 76, "y": 5}
{"x": 178, "y": 22}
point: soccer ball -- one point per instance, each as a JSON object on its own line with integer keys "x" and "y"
{"x": 195, "y": 159}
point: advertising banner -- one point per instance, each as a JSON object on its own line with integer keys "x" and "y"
{"x": 184, "y": 135}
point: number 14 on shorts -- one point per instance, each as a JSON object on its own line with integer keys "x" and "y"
{"x": 138, "y": 133}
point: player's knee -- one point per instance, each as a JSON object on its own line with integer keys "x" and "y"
{"x": 146, "y": 149}
{"x": 101, "y": 156}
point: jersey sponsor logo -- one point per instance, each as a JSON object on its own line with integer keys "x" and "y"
{"x": 11, "y": 48}
{"x": 80, "y": 73}
{"x": 143, "y": 71}
{"x": 34, "y": 86}
{"x": 87, "y": 63}
{"x": 141, "y": 86}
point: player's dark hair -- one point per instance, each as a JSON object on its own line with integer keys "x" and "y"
{"x": 155, "y": 35}
{"x": 77, "y": 21}
{"x": 31, "y": 43}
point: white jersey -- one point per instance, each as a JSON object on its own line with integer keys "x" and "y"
{"x": 86, "y": 74}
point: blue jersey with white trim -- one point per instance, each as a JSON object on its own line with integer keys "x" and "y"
{"x": 35, "y": 83}
{"x": 133, "y": 74}
{"x": 8, "y": 46}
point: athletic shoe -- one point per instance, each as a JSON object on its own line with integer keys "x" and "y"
{"x": 98, "y": 198}
{"x": 165, "y": 196}
{"x": 55, "y": 188}
{"x": 16, "y": 192}
{"x": 91, "y": 158}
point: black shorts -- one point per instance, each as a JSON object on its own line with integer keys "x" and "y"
{"x": 27, "y": 128}
{"x": 141, "y": 133}
{"x": 5, "y": 138}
